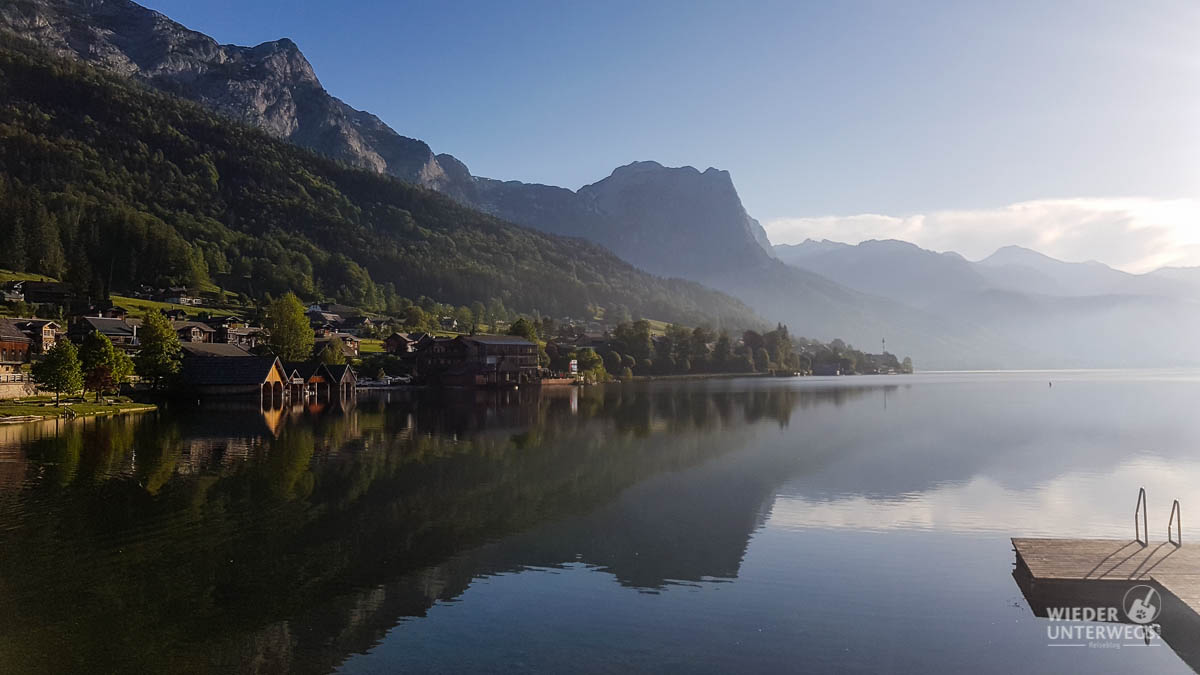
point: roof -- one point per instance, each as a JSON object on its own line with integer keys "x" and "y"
{"x": 340, "y": 372}
{"x": 212, "y": 349}
{"x": 304, "y": 369}
{"x": 218, "y": 371}
{"x": 10, "y": 333}
{"x": 497, "y": 340}
{"x": 109, "y": 326}
{"x": 180, "y": 325}
{"x": 34, "y": 323}
{"x": 325, "y": 316}
{"x": 221, "y": 320}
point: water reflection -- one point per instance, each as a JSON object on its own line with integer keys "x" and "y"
{"x": 286, "y": 539}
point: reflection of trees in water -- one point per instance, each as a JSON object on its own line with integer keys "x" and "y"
{"x": 128, "y": 551}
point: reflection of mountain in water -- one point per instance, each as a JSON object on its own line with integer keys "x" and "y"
{"x": 257, "y": 532}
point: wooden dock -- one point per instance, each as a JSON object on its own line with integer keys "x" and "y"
{"x": 1056, "y": 573}
{"x": 1175, "y": 568}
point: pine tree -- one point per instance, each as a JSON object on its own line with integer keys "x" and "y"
{"x": 45, "y": 245}
{"x": 14, "y": 253}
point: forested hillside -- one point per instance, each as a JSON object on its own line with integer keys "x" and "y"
{"x": 110, "y": 185}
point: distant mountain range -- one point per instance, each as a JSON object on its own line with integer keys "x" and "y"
{"x": 681, "y": 222}
{"x": 1060, "y": 313}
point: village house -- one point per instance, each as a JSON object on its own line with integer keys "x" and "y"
{"x": 194, "y": 331}
{"x": 14, "y": 347}
{"x": 235, "y": 331}
{"x": 11, "y": 292}
{"x": 350, "y": 344}
{"x": 46, "y": 292}
{"x": 398, "y": 343}
{"x": 247, "y": 338}
{"x": 42, "y": 333}
{"x": 121, "y": 332}
{"x": 319, "y": 318}
{"x": 480, "y": 360}
{"x": 182, "y": 296}
{"x": 358, "y": 325}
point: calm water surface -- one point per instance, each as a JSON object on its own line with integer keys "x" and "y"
{"x": 856, "y": 524}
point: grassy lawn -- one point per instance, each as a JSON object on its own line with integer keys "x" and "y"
{"x": 9, "y": 275}
{"x": 136, "y": 307}
{"x": 657, "y": 327}
{"x": 43, "y": 406}
{"x": 370, "y": 346}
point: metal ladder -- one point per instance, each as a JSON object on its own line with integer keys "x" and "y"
{"x": 1141, "y": 529}
{"x": 1177, "y": 520}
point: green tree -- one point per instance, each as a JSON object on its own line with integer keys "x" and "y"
{"x": 14, "y": 254}
{"x": 723, "y": 352}
{"x": 591, "y": 366}
{"x": 334, "y": 353}
{"x": 159, "y": 357}
{"x": 906, "y": 365}
{"x": 465, "y": 318}
{"x": 523, "y": 328}
{"x": 59, "y": 371}
{"x": 291, "y": 336}
{"x": 414, "y": 317}
{"x": 612, "y": 362}
{"x": 45, "y": 247}
{"x": 762, "y": 360}
{"x": 104, "y": 366}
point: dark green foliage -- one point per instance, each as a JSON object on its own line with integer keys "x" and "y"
{"x": 334, "y": 353}
{"x": 158, "y": 360}
{"x": 523, "y": 328}
{"x": 59, "y": 371}
{"x": 112, "y": 186}
{"x": 291, "y": 335}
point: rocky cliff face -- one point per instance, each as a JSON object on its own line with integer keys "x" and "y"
{"x": 270, "y": 86}
{"x": 640, "y": 211}
{"x": 675, "y": 221}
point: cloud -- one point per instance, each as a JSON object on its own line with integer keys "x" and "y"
{"x": 1135, "y": 234}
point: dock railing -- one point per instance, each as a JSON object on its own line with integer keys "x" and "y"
{"x": 1177, "y": 521}
{"x": 1140, "y": 529}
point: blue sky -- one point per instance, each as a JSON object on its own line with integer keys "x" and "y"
{"x": 819, "y": 110}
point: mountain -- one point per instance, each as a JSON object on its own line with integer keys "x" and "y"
{"x": 892, "y": 269}
{"x": 1063, "y": 278}
{"x": 113, "y": 185}
{"x": 669, "y": 221}
{"x": 1041, "y": 312}
{"x": 270, "y": 86}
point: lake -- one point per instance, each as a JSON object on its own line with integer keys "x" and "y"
{"x": 802, "y": 524}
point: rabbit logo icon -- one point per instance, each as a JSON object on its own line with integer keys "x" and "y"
{"x": 1142, "y": 604}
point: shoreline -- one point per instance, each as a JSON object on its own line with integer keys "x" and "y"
{"x": 37, "y": 413}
